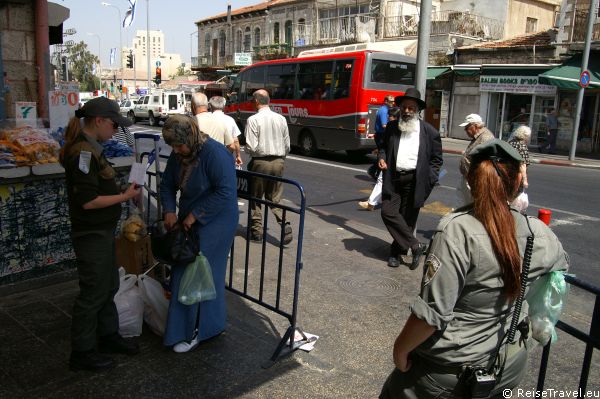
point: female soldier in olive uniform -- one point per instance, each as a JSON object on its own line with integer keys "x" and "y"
{"x": 94, "y": 209}
{"x": 471, "y": 279}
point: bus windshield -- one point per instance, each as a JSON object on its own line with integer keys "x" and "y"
{"x": 392, "y": 72}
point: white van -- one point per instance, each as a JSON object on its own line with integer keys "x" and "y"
{"x": 159, "y": 104}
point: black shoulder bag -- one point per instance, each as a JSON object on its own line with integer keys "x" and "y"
{"x": 480, "y": 381}
{"x": 176, "y": 246}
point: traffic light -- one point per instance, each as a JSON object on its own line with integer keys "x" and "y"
{"x": 130, "y": 60}
{"x": 157, "y": 78}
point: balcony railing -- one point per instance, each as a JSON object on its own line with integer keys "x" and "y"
{"x": 580, "y": 27}
{"x": 443, "y": 23}
{"x": 303, "y": 35}
{"x": 347, "y": 29}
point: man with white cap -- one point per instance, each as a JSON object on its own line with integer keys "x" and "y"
{"x": 479, "y": 134}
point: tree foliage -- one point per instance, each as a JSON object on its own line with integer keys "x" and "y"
{"x": 181, "y": 71}
{"x": 81, "y": 67}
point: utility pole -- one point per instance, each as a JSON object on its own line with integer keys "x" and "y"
{"x": 584, "y": 66}
{"x": 423, "y": 46}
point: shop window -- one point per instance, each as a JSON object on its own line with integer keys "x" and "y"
{"x": 288, "y": 32}
{"x": 531, "y": 25}
{"x": 222, "y": 43}
{"x": 256, "y": 37}
{"x": 247, "y": 39}
{"x": 276, "y": 33}
{"x": 238, "y": 41}
{"x": 314, "y": 80}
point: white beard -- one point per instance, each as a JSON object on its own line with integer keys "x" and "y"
{"x": 411, "y": 125}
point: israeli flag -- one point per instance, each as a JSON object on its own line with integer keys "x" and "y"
{"x": 93, "y": 69}
{"x": 129, "y": 14}
{"x": 113, "y": 52}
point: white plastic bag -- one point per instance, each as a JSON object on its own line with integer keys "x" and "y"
{"x": 156, "y": 305}
{"x": 521, "y": 202}
{"x": 130, "y": 307}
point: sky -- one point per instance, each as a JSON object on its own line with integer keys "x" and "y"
{"x": 174, "y": 17}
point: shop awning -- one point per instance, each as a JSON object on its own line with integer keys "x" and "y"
{"x": 434, "y": 72}
{"x": 566, "y": 76}
{"x": 466, "y": 70}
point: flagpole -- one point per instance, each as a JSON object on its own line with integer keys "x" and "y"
{"x": 148, "y": 40}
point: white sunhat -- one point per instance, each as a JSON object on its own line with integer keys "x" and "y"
{"x": 471, "y": 118}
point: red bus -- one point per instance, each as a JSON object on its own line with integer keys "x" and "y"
{"x": 329, "y": 100}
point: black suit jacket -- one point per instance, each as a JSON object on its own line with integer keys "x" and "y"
{"x": 429, "y": 160}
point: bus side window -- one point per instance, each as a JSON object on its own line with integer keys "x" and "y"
{"x": 314, "y": 80}
{"x": 254, "y": 79}
{"x": 280, "y": 81}
{"x": 342, "y": 78}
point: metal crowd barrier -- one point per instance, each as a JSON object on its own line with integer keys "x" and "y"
{"x": 591, "y": 339}
{"x": 245, "y": 179}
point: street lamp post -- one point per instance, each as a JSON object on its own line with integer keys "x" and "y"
{"x": 120, "y": 36}
{"x": 99, "y": 57}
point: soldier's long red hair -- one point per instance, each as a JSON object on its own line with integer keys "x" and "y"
{"x": 492, "y": 190}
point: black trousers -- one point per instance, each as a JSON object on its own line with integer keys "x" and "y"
{"x": 399, "y": 214}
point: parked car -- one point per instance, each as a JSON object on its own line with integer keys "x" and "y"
{"x": 125, "y": 107}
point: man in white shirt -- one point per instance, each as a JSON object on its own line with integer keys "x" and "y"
{"x": 217, "y": 103}
{"x": 268, "y": 143}
{"x": 210, "y": 125}
{"x": 410, "y": 158}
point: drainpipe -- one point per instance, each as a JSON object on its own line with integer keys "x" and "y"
{"x": 42, "y": 56}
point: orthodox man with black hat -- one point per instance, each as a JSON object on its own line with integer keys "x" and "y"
{"x": 410, "y": 158}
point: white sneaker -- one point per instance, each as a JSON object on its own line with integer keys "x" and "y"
{"x": 185, "y": 346}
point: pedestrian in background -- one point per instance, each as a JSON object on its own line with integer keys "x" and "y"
{"x": 267, "y": 143}
{"x": 209, "y": 124}
{"x": 375, "y": 197}
{"x": 381, "y": 120}
{"x": 471, "y": 280}
{"x": 519, "y": 141}
{"x": 217, "y": 104}
{"x": 410, "y": 158}
{"x": 200, "y": 169}
{"x": 95, "y": 209}
{"x": 552, "y": 125}
{"x": 479, "y": 134}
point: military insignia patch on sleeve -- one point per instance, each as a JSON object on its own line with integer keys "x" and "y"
{"x": 85, "y": 157}
{"x": 432, "y": 265}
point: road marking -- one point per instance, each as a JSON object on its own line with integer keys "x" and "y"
{"x": 328, "y": 164}
{"x": 577, "y": 216}
{"x": 437, "y": 208}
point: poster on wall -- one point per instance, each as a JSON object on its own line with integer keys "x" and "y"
{"x": 444, "y": 113}
{"x": 25, "y": 113}
{"x": 62, "y": 105}
{"x": 566, "y": 113}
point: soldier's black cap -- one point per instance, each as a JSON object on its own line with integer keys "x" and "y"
{"x": 496, "y": 150}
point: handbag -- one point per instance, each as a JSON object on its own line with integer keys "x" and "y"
{"x": 197, "y": 282}
{"x": 175, "y": 246}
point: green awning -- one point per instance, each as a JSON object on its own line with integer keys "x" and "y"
{"x": 434, "y": 72}
{"x": 566, "y": 76}
{"x": 466, "y": 71}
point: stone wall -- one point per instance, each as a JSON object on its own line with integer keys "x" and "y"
{"x": 17, "y": 35}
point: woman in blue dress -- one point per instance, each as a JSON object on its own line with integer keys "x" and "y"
{"x": 201, "y": 170}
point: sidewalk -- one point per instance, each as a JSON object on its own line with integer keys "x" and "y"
{"x": 590, "y": 161}
{"x": 348, "y": 296}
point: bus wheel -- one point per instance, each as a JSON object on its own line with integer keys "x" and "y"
{"x": 308, "y": 144}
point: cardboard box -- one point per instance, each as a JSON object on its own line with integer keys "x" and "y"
{"x": 135, "y": 257}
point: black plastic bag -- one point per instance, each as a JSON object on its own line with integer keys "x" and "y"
{"x": 175, "y": 246}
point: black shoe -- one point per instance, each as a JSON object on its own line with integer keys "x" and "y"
{"x": 287, "y": 234}
{"x": 114, "y": 343}
{"x": 90, "y": 360}
{"x": 417, "y": 252}
{"x": 393, "y": 261}
{"x": 256, "y": 237}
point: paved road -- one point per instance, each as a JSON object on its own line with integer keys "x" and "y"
{"x": 334, "y": 184}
